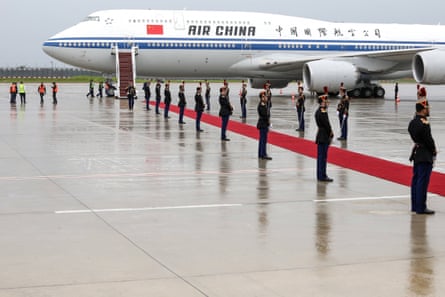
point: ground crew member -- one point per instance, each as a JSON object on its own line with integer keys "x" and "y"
{"x": 13, "y": 92}
{"x": 55, "y": 90}
{"x": 22, "y": 93}
{"x": 91, "y": 89}
{"x": 423, "y": 155}
{"x": 396, "y": 91}
{"x": 101, "y": 88}
{"x": 42, "y": 92}
{"x": 323, "y": 138}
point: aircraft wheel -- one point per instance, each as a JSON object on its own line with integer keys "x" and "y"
{"x": 355, "y": 93}
{"x": 366, "y": 92}
{"x": 379, "y": 92}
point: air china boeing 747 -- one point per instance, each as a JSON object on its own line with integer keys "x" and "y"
{"x": 259, "y": 46}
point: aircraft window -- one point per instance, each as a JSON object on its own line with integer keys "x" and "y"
{"x": 92, "y": 19}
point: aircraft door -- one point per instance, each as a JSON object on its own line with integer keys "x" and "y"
{"x": 179, "y": 21}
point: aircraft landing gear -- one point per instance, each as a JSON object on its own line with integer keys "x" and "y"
{"x": 368, "y": 91}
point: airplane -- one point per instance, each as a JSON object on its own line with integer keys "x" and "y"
{"x": 261, "y": 47}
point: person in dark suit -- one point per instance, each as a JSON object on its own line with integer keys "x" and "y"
{"x": 225, "y": 111}
{"x": 199, "y": 108}
{"x": 423, "y": 155}
{"x": 323, "y": 138}
{"x": 263, "y": 125}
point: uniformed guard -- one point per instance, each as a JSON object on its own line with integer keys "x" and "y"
{"x": 147, "y": 93}
{"x": 131, "y": 93}
{"x": 263, "y": 126}
{"x": 167, "y": 99}
{"x": 181, "y": 104}
{"x": 158, "y": 95}
{"x": 243, "y": 100}
{"x": 207, "y": 95}
{"x": 268, "y": 95}
{"x": 343, "y": 115}
{"x": 423, "y": 155}
{"x": 224, "y": 112}
{"x": 199, "y": 108}
{"x": 300, "y": 108}
{"x": 323, "y": 138}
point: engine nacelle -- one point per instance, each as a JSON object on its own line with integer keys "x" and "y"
{"x": 257, "y": 83}
{"x": 429, "y": 67}
{"x": 318, "y": 74}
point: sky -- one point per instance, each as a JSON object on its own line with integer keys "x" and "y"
{"x": 24, "y": 28}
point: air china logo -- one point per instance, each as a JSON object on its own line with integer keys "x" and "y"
{"x": 221, "y": 30}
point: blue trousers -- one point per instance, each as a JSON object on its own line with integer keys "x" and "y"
{"x": 158, "y": 102}
{"x": 262, "y": 142}
{"x": 344, "y": 127}
{"x": 225, "y": 122}
{"x": 198, "y": 120}
{"x": 300, "y": 115}
{"x": 166, "y": 109}
{"x": 322, "y": 159}
{"x": 419, "y": 185}
{"x": 243, "y": 110}
{"x": 181, "y": 114}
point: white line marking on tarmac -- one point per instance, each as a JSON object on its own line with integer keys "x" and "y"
{"x": 363, "y": 198}
{"x": 144, "y": 208}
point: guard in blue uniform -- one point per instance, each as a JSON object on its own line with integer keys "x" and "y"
{"x": 323, "y": 138}
{"x": 147, "y": 94}
{"x": 158, "y": 95}
{"x": 263, "y": 125}
{"x": 300, "y": 109}
{"x": 225, "y": 111}
{"x": 181, "y": 104}
{"x": 199, "y": 108}
{"x": 167, "y": 99}
{"x": 423, "y": 155}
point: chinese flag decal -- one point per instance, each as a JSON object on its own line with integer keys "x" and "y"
{"x": 155, "y": 29}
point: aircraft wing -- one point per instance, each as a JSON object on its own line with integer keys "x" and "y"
{"x": 362, "y": 60}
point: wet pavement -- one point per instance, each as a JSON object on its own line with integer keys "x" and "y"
{"x": 100, "y": 201}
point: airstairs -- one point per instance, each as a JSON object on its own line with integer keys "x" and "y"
{"x": 125, "y": 68}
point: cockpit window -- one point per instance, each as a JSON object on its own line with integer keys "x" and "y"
{"x": 91, "y": 18}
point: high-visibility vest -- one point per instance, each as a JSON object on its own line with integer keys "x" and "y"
{"x": 13, "y": 89}
{"x": 42, "y": 89}
{"x": 21, "y": 88}
{"x": 55, "y": 88}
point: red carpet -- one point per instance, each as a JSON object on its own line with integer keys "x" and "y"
{"x": 387, "y": 170}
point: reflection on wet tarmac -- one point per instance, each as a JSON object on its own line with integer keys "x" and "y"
{"x": 137, "y": 205}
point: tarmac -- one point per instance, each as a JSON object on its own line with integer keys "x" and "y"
{"x": 100, "y": 201}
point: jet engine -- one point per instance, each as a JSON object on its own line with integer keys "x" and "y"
{"x": 257, "y": 83}
{"x": 321, "y": 73}
{"x": 429, "y": 67}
